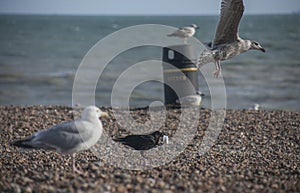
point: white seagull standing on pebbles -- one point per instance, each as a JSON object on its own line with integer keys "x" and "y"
{"x": 227, "y": 42}
{"x": 190, "y": 100}
{"x": 69, "y": 137}
{"x": 185, "y": 32}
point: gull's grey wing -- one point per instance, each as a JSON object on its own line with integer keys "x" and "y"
{"x": 231, "y": 14}
{"x": 181, "y": 32}
{"x": 62, "y": 137}
{"x": 186, "y": 29}
{"x": 190, "y": 98}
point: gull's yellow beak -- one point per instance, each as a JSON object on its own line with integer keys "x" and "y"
{"x": 104, "y": 115}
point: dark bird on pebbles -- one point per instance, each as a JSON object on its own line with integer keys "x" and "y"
{"x": 142, "y": 142}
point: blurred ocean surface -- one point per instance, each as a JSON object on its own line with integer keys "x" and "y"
{"x": 39, "y": 56}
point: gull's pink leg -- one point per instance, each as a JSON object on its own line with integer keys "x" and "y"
{"x": 73, "y": 164}
{"x": 218, "y": 69}
{"x": 185, "y": 40}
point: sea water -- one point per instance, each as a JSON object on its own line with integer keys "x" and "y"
{"x": 39, "y": 57}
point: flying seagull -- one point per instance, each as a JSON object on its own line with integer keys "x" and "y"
{"x": 227, "y": 42}
{"x": 185, "y": 32}
{"x": 142, "y": 142}
{"x": 69, "y": 137}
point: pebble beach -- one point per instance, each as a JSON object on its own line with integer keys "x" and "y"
{"x": 256, "y": 151}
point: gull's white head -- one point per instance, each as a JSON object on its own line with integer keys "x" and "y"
{"x": 256, "y": 46}
{"x": 194, "y": 26}
{"x": 92, "y": 111}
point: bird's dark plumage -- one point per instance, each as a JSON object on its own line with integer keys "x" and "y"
{"x": 141, "y": 142}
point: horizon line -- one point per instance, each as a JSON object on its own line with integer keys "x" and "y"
{"x": 159, "y": 15}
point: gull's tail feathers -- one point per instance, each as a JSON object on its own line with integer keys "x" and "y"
{"x": 24, "y": 143}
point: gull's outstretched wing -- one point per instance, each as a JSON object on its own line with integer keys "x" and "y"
{"x": 231, "y": 14}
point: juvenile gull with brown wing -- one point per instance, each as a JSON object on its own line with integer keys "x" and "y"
{"x": 227, "y": 42}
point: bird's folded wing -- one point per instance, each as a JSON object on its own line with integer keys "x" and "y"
{"x": 138, "y": 142}
{"x": 231, "y": 14}
{"x": 186, "y": 30}
{"x": 62, "y": 137}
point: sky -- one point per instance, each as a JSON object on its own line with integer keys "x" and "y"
{"x": 140, "y": 7}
